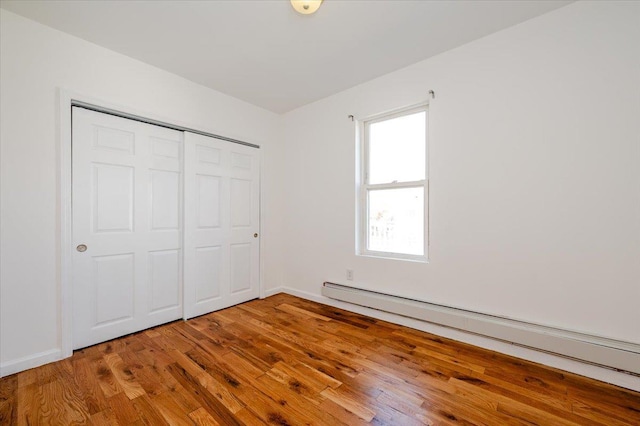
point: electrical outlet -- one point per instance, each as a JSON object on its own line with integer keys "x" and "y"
{"x": 350, "y": 274}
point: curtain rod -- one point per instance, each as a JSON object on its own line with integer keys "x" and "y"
{"x": 432, "y": 94}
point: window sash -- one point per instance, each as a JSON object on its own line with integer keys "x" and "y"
{"x": 385, "y": 117}
{"x": 364, "y": 221}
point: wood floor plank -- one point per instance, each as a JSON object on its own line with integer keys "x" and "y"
{"x": 68, "y": 400}
{"x": 8, "y": 403}
{"x": 146, "y": 375}
{"x": 202, "y": 418}
{"x": 123, "y": 409}
{"x": 154, "y": 357}
{"x": 249, "y": 308}
{"x": 45, "y": 374}
{"x": 388, "y": 415}
{"x": 242, "y": 364}
{"x": 402, "y": 405}
{"x": 28, "y": 404}
{"x": 342, "y": 414}
{"x": 26, "y": 378}
{"x": 8, "y": 411}
{"x": 297, "y": 379}
{"x": 288, "y": 361}
{"x": 172, "y": 412}
{"x": 249, "y": 418}
{"x": 305, "y": 406}
{"x": 290, "y": 308}
{"x": 349, "y": 404}
{"x": 217, "y": 409}
{"x": 106, "y": 380}
{"x": 148, "y": 413}
{"x": 124, "y": 376}
{"x": 268, "y": 408}
{"x": 179, "y": 394}
{"x": 315, "y": 374}
{"x": 89, "y": 386}
{"x": 215, "y": 388}
{"x": 104, "y": 418}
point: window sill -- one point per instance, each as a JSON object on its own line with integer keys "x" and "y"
{"x": 390, "y": 256}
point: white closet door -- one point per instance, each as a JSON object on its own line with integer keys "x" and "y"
{"x": 222, "y": 213}
{"x": 127, "y": 211}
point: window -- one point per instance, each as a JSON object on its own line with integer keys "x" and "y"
{"x": 393, "y": 187}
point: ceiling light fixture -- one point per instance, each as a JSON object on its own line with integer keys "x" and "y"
{"x": 306, "y": 7}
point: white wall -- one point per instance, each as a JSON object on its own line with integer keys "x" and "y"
{"x": 534, "y": 176}
{"x": 36, "y": 60}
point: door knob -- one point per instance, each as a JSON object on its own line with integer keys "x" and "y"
{"x": 82, "y": 248}
{"x": 255, "y": 235}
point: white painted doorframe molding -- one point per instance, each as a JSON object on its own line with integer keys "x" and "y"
{"x": 66, "y": 98}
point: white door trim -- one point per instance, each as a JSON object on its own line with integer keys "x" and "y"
{"x": 66, "y": 98}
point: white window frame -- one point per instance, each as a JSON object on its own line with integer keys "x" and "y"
{"x": 364, "y": 187}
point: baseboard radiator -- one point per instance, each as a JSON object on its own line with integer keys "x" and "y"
{"x": 616, "y": 354}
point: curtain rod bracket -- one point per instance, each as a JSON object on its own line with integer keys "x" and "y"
{"x": 351, "y": 117}
{"x": 432, "y": 94}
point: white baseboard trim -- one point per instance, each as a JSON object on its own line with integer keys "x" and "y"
{"x": 273, "y": 291}
{"x": 596, "y": 372}
{"x": 603, "y": 351}
{"x": 31, "y": 361}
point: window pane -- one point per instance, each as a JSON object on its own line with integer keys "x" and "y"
{"x": 396, "y": 220}
{"x": 397, "y": 149}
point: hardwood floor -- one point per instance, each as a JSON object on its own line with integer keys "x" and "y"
{"x": 288, "y": 361}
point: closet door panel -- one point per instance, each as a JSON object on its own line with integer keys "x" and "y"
{"x": 244, "y": 175}
{"x": 221, "y": 219}
{"x": 127, "y": 226}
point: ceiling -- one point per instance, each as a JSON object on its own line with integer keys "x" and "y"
{"x": 266, "y": 54}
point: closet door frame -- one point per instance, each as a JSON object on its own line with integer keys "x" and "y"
{"x": 66, "y": 99}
